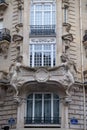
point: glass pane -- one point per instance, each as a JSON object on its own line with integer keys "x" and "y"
{"x": 53, "y": 18}
{"x": 38, "y": 47}
{"x": 38, "y": 7}
{"x": 47, "y": 7}
{"x": 38, "y": 18}
{"x": 30, "y": 96}
{"x": 56, "y": 111}
{"x": 47, "y": 59}
{"x": 56, "y": 96}
{"x": 47, "y": 47}
{"x": 38, "y": 59}
{"x": 32, "y": 18}
{"x": 47, "y": 109}
{"x": 47, "y": 18}
{"x": 38, "y": 108}
{"x": 29, "y": 111}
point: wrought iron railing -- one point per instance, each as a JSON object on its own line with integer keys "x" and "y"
{"x": 5, "y": 34}
{"x": 42, "y": 30}
{"x": 40, "y": 120}
{"x": 2, "y": 1}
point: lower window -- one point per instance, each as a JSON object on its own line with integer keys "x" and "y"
{"x": 42, "y": 109}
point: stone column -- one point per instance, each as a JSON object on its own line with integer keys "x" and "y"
{"x": 58, "y": 30}
{"x": 26, "y": 32}
{"x": 20, "y": 115}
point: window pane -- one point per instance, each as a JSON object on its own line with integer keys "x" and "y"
{"x": 47, "y": 18}
{"x": 56, "y": 109}
{"x": 38, "y": 18}
{"x": 47, "y": 59}
{"x": 47, "y": 108}
{"x": 38, "y": 108}
{"x": 37, "y": 59}
{"x": 38, "y": 7}
{"x": 32, "y": 18}
{"x": 47, "y": 7}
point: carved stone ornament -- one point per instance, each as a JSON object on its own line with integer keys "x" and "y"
{"x": 41, "y": 75}
{"x": 17, "y": 38}
{"x": 85, "y": 42}
{"x": 18, "y": 26}
{"x": 4, "y": 45}
{"x": 67, "y": 27}
{"x": 20, "y": 75}
{"x": 68, "y": 37}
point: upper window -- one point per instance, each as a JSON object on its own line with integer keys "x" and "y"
{"x": 43, "y": 14}
{"x": 42, "y": 109}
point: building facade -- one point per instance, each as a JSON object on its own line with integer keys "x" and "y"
{"x": 43, "y": 64}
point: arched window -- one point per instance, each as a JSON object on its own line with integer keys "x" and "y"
{"x": 42, "y": 108}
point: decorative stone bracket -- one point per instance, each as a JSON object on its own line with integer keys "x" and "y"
{"x": 18, "y": 26}
{"x": 20, "y": 4}
{"x": 17, "y": 38}
{"x": 68, "y": 37}
{"x": 65, "y": 3}
{"x": 66, "y": 27}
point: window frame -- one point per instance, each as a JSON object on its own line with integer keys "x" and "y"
{"x": 43, "y": 99}
{"x": 51, "y": 10}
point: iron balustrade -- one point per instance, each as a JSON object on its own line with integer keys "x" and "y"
{"x": 42, "y": 30}
{"x": 2, "y": 1}
{"x": 40, "y": 120}
{"x": 5, "y": 34}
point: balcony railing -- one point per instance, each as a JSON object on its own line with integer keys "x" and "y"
{"x": 40, "y": 120}
{"x": 5, "y": 35}
{"x": 42, "y": 30}
{"x": 2, "y": 1}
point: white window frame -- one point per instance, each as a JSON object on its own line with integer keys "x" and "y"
{"x": 52, "y": 51}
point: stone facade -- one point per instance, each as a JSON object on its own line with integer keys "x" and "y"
{"x": 19, "y": 77}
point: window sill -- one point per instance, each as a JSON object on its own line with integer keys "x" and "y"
{"x": 42, "y": 126}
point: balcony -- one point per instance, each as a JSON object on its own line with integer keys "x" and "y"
{"x": 3, "y": 5}
{"x": 43, "y": 121}
{"x": 5, "y": 35}
{"x": 42, "y": 30}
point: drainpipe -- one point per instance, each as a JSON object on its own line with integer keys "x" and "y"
{"x": 82, "y": 76}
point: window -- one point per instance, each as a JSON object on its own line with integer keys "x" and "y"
{"x": 42, "y": 55}
{"x": 42, "y": 109}
{"x": 42, "y": 14}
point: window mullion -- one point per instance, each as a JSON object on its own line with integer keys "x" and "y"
{"x": 34, "y": 15}
{"x": 51, "y": 15}
{"x": 52, "y": 107}
{"x": 33, "y": 55}
{"x": 33, "y": 107}
{"x": 42, "y": 107}
{"x": 42, "y": 56}
{"x": 52, "y": 55}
